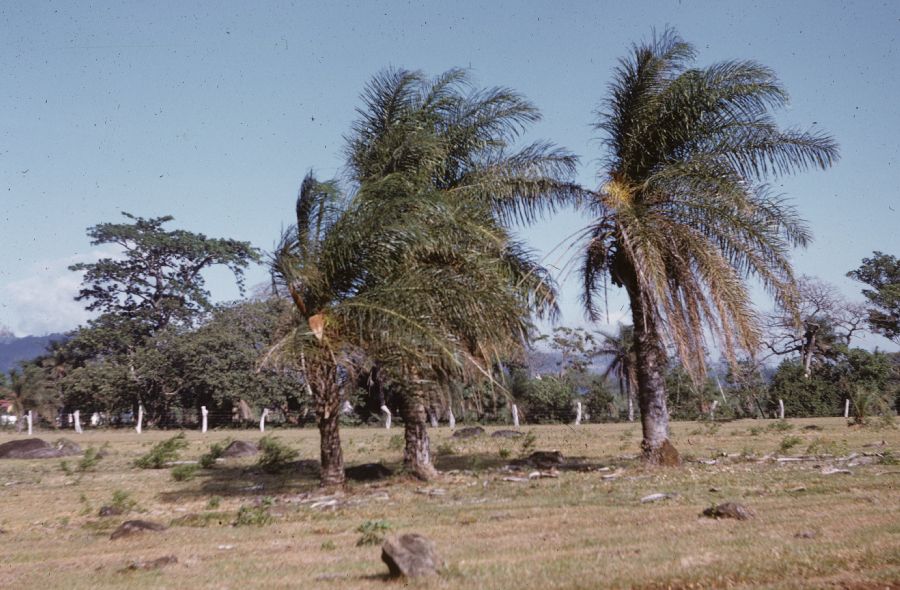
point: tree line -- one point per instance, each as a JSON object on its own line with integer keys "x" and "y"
{"x": 403, "y": 283}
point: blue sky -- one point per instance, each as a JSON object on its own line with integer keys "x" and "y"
{"x": 212, "y": 112}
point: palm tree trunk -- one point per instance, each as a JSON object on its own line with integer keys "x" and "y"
{"x": 417, "y": 454}
{"x": 651, "y": 361}
{"x": 331, "y": 456}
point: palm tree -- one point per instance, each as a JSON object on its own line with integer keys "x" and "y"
{"x": 29, "y": 389}
{"x": 439, "y": 141}
{"x": 619, "y": 348}
{"x": 417, "y": 271}
{"x": 684, "y": 217}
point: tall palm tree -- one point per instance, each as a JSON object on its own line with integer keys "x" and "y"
{"x": 619, "y": 349}
{"x": 684, "y": 217}
{"x": 439, "y": 141}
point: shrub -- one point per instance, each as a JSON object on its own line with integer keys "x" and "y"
{"x": 184, "y": 472}
{"x": 372, "y": 532}
{"x": 122, "y": 501}
{"x": 254, "y": 515}
{"x": 208, "y": 460}
{"x": 788, "y": 443}
{"x": 163, "y": 452}
{"x": 275, "y": 456}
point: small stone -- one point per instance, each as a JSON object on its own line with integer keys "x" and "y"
{"x": 729, "y": 510}
{"x": 806, "y": 535}
{"x": 131, "y": 527}
{"x": 507, "y": 434}
{"x": 470, "y": 432}
{"x": 153, "y": 564}
{"x": 657, "y": 497}
{"x": 240, "y": 448}
{"x": 67, "y": 447}
{"x": 411, "y": 555}
{"x": 110, "y": 511}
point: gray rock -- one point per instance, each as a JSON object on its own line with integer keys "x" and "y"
{"x": 109, "y": 511}
{"x": 729, "y": 510}
{"x": 152, "y": 564}
{"x": 28, "y": 448}
{"x": 507, "y": 434}
{"x": 67, "y": 447}
{"x": 240, "y": 448}
{"x": 132, "y": 527}
{"x": 412, "y": 556}
{"x": 470, "y": 432}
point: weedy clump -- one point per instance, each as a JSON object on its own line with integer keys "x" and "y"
{"x": 184, "y": 472}
{"x": 822, "y": 446}
{"x": 255, "y": 515}
{"x": 216, "y": 450}
{"x": 445, "y": 449}
{"x": 88, "y": 462}
{"x": 755, "y": 431}
{"x": 528, "y": 443}
{"x": 328, "y": 546}
{"x": 163, "y": 452}
{"x": 214, "y": 502}
{"x": 780, "y": 426}
{"x": 275, "y": 456}
{"x": 372, "y": 532}
{"x": 504, "y": 453}
{"x": 396, "y": 442}
{"x": 788, "y": 443}
{"x": 122, "y": 501}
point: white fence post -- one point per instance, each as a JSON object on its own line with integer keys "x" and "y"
{"x": 451, "y": 418}
{"x": 515, "y": 415}
{"x": 577, "y": 413}
{"x": 781, "y": 409}
{"x": 140, "y": 422}
{"x": 712, "y": 409}
{"x": 434, "y": 422}
{"x": 77, "y": 416}
{"x": 28, "y": 419}
{"x": 846, "y": 408}
{"x": 262, "y": 420}
{"x": 204, "y": 413}
{"x": 387, "y": 417}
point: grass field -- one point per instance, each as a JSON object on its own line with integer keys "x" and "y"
{"x": 579, "y": 530}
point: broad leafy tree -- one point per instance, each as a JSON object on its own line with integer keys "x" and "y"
{"x": 683, "y": 216}
{"x": 881, "y": 272}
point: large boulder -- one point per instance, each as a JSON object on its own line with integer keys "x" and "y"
{"x": 240, "y": 448}
{"x": 412, "y": 556}
{"x": 470, "y": 432}
{"x": 27, "y": 448}
{"x": 132, "y": 527}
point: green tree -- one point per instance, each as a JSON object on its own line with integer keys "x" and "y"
{"x": 683, "y": 216}
{"x": 417, "y": 271}
{"x": 29, "y": 389}
{"x": 882, "y": 273}
{"x": 156, "y": 284}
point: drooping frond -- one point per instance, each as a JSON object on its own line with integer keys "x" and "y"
{"x": 684, "y": 217}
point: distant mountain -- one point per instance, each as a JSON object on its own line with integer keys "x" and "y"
{"x": 13, "y": 349}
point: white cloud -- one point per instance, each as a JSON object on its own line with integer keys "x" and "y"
{"x": 44, "y": 301}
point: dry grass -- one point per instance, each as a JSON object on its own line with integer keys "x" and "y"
{"x": 576, "y": 531}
